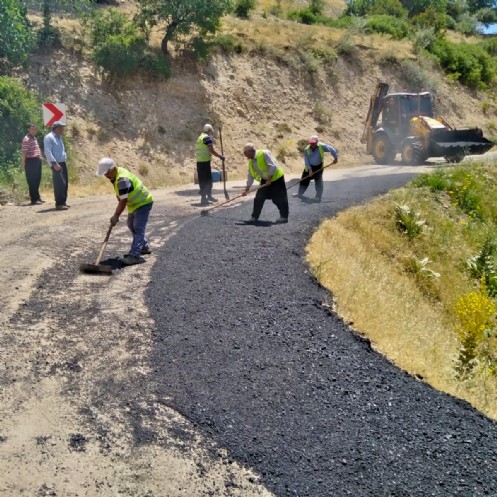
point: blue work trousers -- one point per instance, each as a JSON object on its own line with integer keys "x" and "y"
{"x": 137, "y": 222}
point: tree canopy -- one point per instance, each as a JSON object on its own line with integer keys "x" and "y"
{"x": 16, "y": 37}
{"x": 182, "y": 16}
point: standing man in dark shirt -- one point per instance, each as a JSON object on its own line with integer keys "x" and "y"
{"x": 55, "y": 153}
{"x": 31, "y": 163}
{"x": 204, "y": 151}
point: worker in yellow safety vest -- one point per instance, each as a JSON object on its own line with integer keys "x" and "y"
{"x": 132, "y": 194}
{"x": 204, "y": 150}
{"x": 313, "y": 166}
{"x": 262, "y": 167}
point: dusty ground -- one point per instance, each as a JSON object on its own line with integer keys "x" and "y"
{"x": 58, "y": 373}
{"x": 46, "y": 447}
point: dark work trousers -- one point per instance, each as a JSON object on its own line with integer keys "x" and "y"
{"x": 33, "y": 177}
{"x": 316, "y": 176}
{"x": 276, "y": 191}
{"x": 204, "y": 179}
{"x": 60, "y": 184}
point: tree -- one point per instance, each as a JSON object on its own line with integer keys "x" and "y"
{"x": 182, "y": 16}
{"x": 417, "y": 7}
{"x": 48, "y": 34}
{"x": 16, "y": 37}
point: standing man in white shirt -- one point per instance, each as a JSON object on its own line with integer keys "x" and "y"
{"x": 55, "y": 153}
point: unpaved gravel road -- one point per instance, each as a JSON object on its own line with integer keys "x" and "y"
{"x": 209, "y": 370}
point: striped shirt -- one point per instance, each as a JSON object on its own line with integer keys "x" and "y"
{"x": 125, "y": 187}
{"x": 54, "y": 148}
{"x": 30, "y": 148}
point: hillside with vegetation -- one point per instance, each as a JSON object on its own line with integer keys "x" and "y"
{"x": 139, "y": 79}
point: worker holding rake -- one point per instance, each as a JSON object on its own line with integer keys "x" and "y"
{"x": 262, "y": 167}
{"x": 132, "y": 194}
{"x": 313, "y": 166}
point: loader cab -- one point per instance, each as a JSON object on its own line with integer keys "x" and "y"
{"x": 399, "y": 108}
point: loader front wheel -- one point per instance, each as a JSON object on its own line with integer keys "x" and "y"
{"x": 412, "y": 153}
{"x": 383, "y": 151}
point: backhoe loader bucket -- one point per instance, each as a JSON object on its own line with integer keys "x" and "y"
{"x": 453, "y": 143}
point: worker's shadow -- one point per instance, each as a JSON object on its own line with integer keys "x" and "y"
{"x": 116, "y": 263}
{"x": 258, "y": 224}
{"x": 309, "y": 200}
{"x": 50, "y": 209}
{"x": 187, "y": 193}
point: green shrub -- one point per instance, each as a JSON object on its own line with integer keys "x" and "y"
{"x": 227, "y": 43}
{"x": 408, "y": 222}
{"x": 436, "y": 181}
{"x": 156, "y": 64}
{"x": 108, "y": 22}
{"x": 470, "y": 64}
{"x": 416, "y": 78}
{"x": 483, "y": 265}
{"x": 490, "y": 46}
{"x": 304, "y": 16}
{"x": 243, "y": 8}
{"x": 120, "y": 54}
{"x": 422, "y": 39}
{"x": 384, "y": 24}
{"x": 18, "y": 107}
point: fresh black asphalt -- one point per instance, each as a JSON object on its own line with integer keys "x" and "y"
{"x": 247, "y": 351}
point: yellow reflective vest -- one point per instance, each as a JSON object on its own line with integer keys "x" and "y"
{"x": 262, "y": 167}
{"x": 307, "y": 150}
{"x": 139, "y": 196}
{"x": 202, "y": 152}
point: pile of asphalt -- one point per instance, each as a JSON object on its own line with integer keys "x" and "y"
{"x": 248, "y": 352}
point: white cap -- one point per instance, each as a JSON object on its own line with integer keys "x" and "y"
{"x": 208, "y": 128}
{"x": 104, "y": 165}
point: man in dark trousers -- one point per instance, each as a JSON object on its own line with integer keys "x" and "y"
{"x": 55, "y": 153}
{"x": 313, "y": 166}
{"x": 204, "y": 151}
{"x": 31, "y": 163}
{"x": 262, "y": 167}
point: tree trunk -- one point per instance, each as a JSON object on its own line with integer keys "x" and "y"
{"x": 46, "y": 13}
{"x": 168, "y": 36}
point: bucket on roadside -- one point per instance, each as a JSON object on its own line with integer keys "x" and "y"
{"x": 217, "y": 175}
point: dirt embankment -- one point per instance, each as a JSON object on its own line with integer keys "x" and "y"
{"x": 152, "y": 126}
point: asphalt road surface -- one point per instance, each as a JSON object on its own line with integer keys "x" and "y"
{"x": 248, "y": 350}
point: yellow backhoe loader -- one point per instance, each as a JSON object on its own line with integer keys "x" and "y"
{"x": 409, "y": 126}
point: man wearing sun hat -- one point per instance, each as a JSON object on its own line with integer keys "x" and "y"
{"x": 132, "y": 194}
{"x": 56, "y": 156}
{"x": 204, "y": 150}
{"x": 313, "y": 168}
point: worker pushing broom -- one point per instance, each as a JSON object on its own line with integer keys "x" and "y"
{"x": 132, "y": 195}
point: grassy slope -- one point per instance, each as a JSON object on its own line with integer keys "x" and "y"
{"x": 380, "y": 284}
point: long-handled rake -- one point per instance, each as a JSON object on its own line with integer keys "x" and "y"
{"x": 205, "y": 212}
{"x": 226, "y": 196}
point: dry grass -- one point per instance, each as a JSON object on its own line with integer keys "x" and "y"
{"x": 362, "y": 259}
